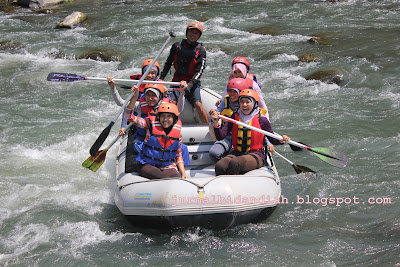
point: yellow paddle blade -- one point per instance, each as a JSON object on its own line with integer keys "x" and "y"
{"x": 94, "y": 163}
{"x": 99, "y": 160}
{"x": 89, "y": 161}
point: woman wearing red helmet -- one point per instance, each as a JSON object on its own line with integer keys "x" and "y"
{"x": 248, "y": 146}
{"x": 229, "y": 104}
{"x": 161, "y": 156}
{"x": 240, "y": 69}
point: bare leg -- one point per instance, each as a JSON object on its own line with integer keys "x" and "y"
{"x": 201, "y": 111}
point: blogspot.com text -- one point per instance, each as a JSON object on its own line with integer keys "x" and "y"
{"x": 299, "y": 200}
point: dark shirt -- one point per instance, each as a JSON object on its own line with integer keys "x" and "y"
{"x": 199, "y": 68}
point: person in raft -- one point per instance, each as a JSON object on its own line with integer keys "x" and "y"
{"x": 227, "y": 107}
{"x": 240, "y": 69}
{"x": 148, "y": 105}
{"x": 189, "y": 60}
{"x": 250, "y": 155}
{"x": 161, "y": 156}
{"x": 153, "y": 75}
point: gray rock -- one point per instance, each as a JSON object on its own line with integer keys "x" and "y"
{"x": 265, "y": 31}
{"x": 8, "y": 45}
{"x": 36, "y": 4}
{"x": 324, "y": 39}
{"x": 72, "y": 20}
{"x": 309, "y": 57}
{"x": 327, "y": 76}
{"x": 99, "y": 55}
{"x": 8, "y": 8}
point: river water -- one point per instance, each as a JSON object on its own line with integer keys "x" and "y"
{"x": 53, "y": 212}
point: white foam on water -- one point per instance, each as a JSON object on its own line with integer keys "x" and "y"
{"x": 25, "y": 238}
{"x": 77, "y": 235}
{"x": 71, "y": 239}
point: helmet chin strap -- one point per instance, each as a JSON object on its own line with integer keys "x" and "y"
{"x": 255, "y": 106}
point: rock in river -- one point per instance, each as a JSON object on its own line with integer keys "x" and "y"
{"x": 72, "y": 20}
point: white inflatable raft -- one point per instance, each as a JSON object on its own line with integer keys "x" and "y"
{"x": 204, "y": 199}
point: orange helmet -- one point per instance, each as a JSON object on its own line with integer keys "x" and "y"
{"x": 237, "y": 83}
{"x": 158, "y": 87}
{"x": 249, "y": 93}
{"x": 168, "y": 108}
{"x": 147, "y": 62}
{"x": 242, "y": 60}
{"x": 195, "y": 25}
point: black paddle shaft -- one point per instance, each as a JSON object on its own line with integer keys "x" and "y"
{"x": 100, "y": 140}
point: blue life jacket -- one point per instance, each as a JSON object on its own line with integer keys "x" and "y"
{"x": 160, "y": 149}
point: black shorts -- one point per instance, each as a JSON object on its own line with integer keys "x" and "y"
{"x": 192, "y": 96}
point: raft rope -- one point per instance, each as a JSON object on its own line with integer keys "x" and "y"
{"x": 200, "y": 188}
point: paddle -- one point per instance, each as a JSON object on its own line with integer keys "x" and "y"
{"x": 331, "y": 157}
{"x": 102, "y": 137}
{"x": 93, "y": 163}
{"x": 70, "y": 77}
{"x": 298, "y": 168}
{"x": 296, "y": 148}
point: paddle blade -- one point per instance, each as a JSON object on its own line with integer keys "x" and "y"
{"x": 94, "y": 163}
{"x": 330, "y": 156}
{"x": 89, "y": 161}
{"x": 99, "y": 160}
{"x": 302, "y": 169}
{"x": 296, "y": 148}
{"x": 100, "y": 140}
{"x": 63, "y": 77}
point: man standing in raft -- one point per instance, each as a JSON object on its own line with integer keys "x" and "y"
{"x": 189, "y": 60}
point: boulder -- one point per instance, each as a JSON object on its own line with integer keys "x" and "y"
{"x": 328, "y": 76}
{"x": 24, "y": 3}
{"x": 37, "y": 4}
{"x": 323, "y": 39}
{"x": 204, "y": 3}
{"x": 56, "y": 54}
{"x": 309, "y": 57}
{"x": 265, "y": 31}
{"x": 8, "y": 8}
{"x": 202, "y": 19}
{"x": 197, "y": 4}
{"x": 99, "y": 55}
{"x": 72, "y": 20}
{"x": 8, "y": 45}
{"x": 48, "y": 10}
{"x": 217, "y": 48}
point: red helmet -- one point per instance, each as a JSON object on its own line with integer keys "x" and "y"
{"x": 147, "y": 62}
{"x": 195, "y": 25}
{"x": 237, "y": 83}
{"x": 242, "y": 60}
{"x": 158, "y": 87}
{"x": 249, "y": 93}
{"x": 168, "y": 108}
